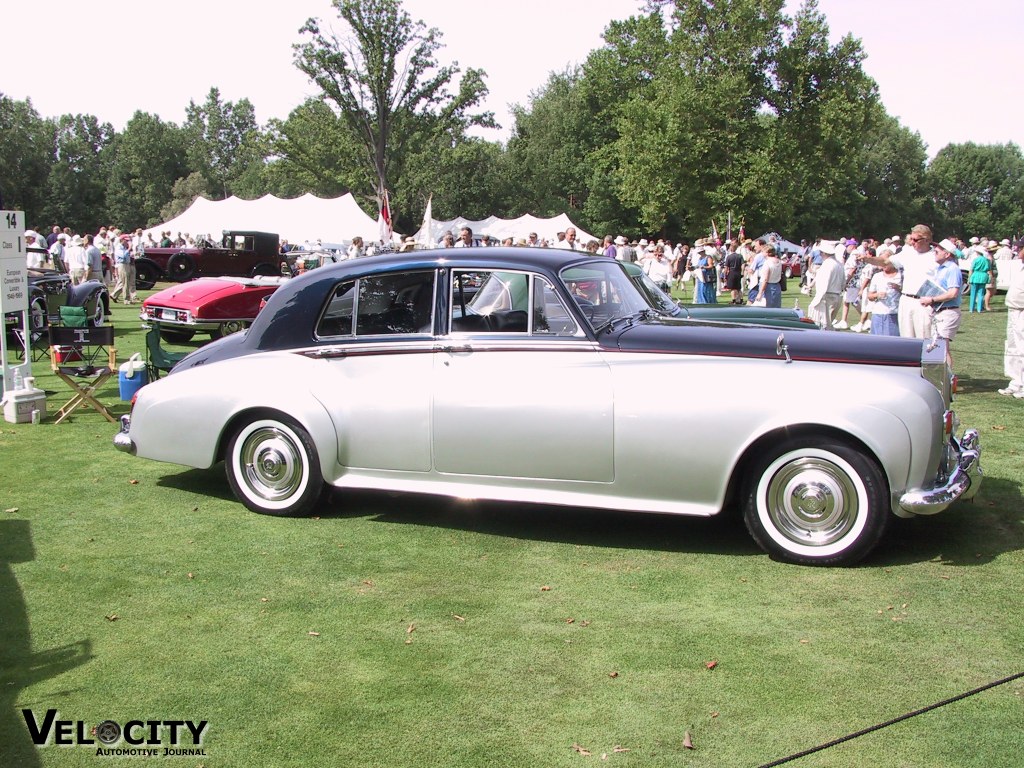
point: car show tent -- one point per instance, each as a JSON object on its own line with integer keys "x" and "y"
{"x": 499, "y": 229}
{"x": 298, "y": 220}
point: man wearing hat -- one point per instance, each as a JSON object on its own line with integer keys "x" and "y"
{"x": 945, "y": 305}
{"x": 917, "y": 260}
{"x": 829, "y": 283}
{"x": 33, "y": 257}
{"x": 1004, "y": 253}
{"x": 77, "y": 261}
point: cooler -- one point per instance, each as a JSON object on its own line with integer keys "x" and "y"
{"x": 132, "y": 376}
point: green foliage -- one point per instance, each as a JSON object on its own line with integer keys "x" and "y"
{"x": 978, "y": 190}
{"x": 75, "y": 186}
{"x": 688, "y": 111}
{"x": 149, "y": 157}
{"x": 185, "y": 192}
{"x": 223, "y": 141}
{"x": 26, "y": 156}
{"x": 384, "y": 81}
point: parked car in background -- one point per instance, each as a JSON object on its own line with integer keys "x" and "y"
{"x": 792, "y": 264}
{"x": 49, "y": 290}
{"x": 240, "y": 254}
{"x": 214, "y": 305}
{"x": 559, "y": 381}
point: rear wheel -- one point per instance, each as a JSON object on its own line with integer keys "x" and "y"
{"x": 816, "y": 504}
{"x": 273, "y": 467}
{"x": 226, "y": 329}
{"x": 146, "y": 275}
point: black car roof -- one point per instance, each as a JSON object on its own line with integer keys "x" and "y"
{"x": 509, "y": 257}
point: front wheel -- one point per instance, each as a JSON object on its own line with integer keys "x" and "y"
{"x": 181, "y": 267}
{"x": 273, "y": 467}
{"x": 820, "y": 504}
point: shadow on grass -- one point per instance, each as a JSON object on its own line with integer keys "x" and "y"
{"x": 968, "y": 533}
{"x": 208, "y": 482}
{"x": 19, "y": 666}
{"x": 970, "y": 385}
{"x": 722, "y": 534}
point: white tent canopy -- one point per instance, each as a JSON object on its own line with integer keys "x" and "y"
{"x": 499, "y": 229}
{"x": 300, "y": 219}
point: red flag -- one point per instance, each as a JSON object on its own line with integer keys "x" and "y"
{"x": 384, "y": 220}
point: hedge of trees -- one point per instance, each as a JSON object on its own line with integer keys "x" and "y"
{"x": 689, "y": 112}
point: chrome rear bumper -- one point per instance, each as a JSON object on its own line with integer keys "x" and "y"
{"x": 121, "y": 440}
{"x": 963, "y": 482}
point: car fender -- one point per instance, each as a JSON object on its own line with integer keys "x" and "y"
{"x": 883, "y": 433}
{"x": 218, "y": 398}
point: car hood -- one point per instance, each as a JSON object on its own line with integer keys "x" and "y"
{"x": 691, "y": 337}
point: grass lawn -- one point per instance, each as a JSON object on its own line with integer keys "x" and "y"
{"x": 394, "y": 630}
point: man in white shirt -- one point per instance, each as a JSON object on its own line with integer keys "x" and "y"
{"x": 829, "y": 282}
{"x": 1005, "y": 253}
{"x": 33, "y": 258}
{"x": 465, "y": 238}
{"x": 76, "y": 260}
{"x": 569, "y": 244}
{"x": 917, "y": 262}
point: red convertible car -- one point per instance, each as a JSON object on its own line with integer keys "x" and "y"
{"x": 215, "y": 305}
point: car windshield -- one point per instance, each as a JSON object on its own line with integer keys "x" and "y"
{"x": 605, "y": 292}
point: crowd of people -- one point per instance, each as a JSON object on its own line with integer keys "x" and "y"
{"x": 911, "y": 287}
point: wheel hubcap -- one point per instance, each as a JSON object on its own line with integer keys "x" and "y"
{"x": 812, "y": 501}
{"x": 271, "y": 464}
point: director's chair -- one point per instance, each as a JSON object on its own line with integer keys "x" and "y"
{"x": 83, "y": 358}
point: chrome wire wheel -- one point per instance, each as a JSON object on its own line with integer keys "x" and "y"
{"x": 273, "y": 468}
{"x": 821, "y": 505}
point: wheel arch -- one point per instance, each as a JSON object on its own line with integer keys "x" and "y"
{"x": 806, "y": 431}
{"x": 314, "y": 419}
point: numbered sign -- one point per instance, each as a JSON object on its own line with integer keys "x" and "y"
{"x": 13, "y": 270}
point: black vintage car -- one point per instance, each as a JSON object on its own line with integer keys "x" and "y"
{"x": 49, "y": 290}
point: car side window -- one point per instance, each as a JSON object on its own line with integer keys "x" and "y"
{"x": 490, "y": 302}
{"x": 550, "y": 316}
{"x": 400, "y": 303}
{"x": 508, "y": 302}
{"x": 337, "y": 318}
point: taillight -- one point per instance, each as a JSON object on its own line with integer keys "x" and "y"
{"x": 954, "y": 383}
{"x": 947, "y": 423}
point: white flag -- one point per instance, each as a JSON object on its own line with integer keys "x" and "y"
{"x": 427, "y": 229}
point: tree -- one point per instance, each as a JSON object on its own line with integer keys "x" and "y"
{"x": 149, "y": 157}
{"x": 383, "y": 78}
{"x": 224, "y": 140}
{"x": 75, "y": 187}
{"x": 184, "y": 192}
{"x": 26, "y": 154}
{"x": 690, "y": 143}
{"x": 978, "y": 189}
{"x": 313, "y": 150}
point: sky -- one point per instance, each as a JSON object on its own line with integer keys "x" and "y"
{"x": 946, "y": 71}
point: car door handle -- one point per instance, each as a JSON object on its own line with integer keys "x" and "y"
{"x": 454, "y": 349}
